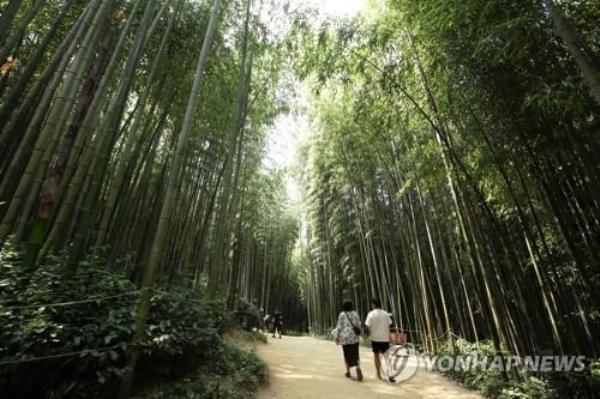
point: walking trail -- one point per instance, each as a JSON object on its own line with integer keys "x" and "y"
{"x": 305, "y": 367}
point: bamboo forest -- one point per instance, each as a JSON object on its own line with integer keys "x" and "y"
{"x": 173, "y": 173}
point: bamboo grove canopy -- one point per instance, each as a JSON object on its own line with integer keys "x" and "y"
{"x": 455, "y": 171}
{"x": 136, "y": 129}
{"x": 451, "y": 168}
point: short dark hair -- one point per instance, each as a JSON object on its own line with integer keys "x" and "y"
{"x": 376, "y": 302}
{"x": 347, "y": 305}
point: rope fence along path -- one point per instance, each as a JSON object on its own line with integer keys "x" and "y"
{"x": 58, "y": 356}
{"x": 62, "y": 304}
{"x": 70, "y": 303}
{"x": 58, "y": 304}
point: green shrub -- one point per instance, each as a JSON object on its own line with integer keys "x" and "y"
{"x": 258, "y": 336}
{"x": 556, "y": 385}
{"x": 251, "y": 336}
{"x": 248, "y": 315}
{"x": 487, "y": 381}
{"x": 181, "y": 329}
{"x": 233, "y": 360}
{"x": 235, "y": 374}
{"x": 577, "y": 385}
{"x": 46, "y": 330}
{"x": 530, "y": 388}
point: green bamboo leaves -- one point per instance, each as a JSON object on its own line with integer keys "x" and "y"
{"x": 440, "y": 181}
{"x": 173, "y": 181}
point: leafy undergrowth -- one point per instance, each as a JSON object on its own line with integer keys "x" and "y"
{"x": 555, "y": 385}
{"x": 246, "y": 339}
{"x": 234, "y": 374}
{"x": 67, "y": 337}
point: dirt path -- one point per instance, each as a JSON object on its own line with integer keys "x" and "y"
{"x": 309, "y": 368}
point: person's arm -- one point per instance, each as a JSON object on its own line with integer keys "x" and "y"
{"x": 356, "y": 319}
{"x": 368, "y": 324}
{"x": 338, "y": 329}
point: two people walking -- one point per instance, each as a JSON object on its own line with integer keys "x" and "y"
{"x": 274, "y": 323}
{"x": 347, "y": 334}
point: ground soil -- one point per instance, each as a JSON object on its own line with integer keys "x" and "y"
{"x": 310, "y": 368}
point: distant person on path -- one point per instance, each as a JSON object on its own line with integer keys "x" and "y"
{"x": 347, "y": 334}
{"x": 378, "y": 326}
{"x": 277, "y": 324}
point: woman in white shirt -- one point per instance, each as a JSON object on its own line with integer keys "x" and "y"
{"x": 347, "y": 334}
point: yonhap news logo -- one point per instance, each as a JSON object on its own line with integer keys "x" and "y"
{"x": 403, "y": 366}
